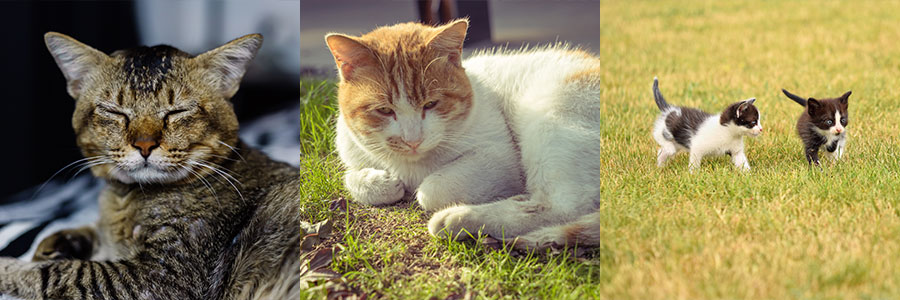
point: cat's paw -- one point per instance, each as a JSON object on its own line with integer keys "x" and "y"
{"x": 66, "y": 244}
{"x": 378, "y": 187}
{"x": 540, "y": 239}
{"x": 451, "y": 223}
{"x": 834, "y": 156}
{"x": 433, "y": 196}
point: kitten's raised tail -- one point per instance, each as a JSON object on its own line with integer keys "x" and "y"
{"x": 796, "y": 98}
{"x": 657, "y": 95}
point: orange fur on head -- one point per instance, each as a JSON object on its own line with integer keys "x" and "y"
{"x": 407, "y": 62}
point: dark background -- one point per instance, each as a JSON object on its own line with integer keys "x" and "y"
{"x": 36, "y": 110}
{"x": 494, "y": 23}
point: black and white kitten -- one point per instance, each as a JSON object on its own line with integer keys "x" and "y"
{"x": 822, "y": 125}
{"x": 690, "y": 129}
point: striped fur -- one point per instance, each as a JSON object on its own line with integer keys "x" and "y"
{"x": 227, "y": 230}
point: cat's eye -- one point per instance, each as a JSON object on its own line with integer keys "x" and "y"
{"x": 119, "y": 114}
{"x": 385, "y": 111}
{"x": 170, "y": 114}
{"x": 829, "y": 122}
{"x": 430, "y": 105}
{"x": 843, "y": 120}
{"x": 173, "y": 112}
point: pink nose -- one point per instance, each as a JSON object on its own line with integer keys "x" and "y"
{"x": 413, "y": 144}
{"x": 838, "y": 130}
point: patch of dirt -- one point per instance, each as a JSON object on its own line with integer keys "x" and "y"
{"x": 402, "y": 223}
{"x": 389, "y": 225}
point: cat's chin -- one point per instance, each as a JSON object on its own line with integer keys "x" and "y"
{"x": 148, "y": 175}
{"x": 410, "y": 156}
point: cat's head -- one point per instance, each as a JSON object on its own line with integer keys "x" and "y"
{"x": 744, "y": 116}
{"x": 829, "y": 115}
{"x": 403, "y": 90}
{"x": 153, "y": 114}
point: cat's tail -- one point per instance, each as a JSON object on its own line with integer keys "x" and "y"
{"x": 796, "y": 98}
{"x": 584, "y": 231}
{"x": 657, "y": 95}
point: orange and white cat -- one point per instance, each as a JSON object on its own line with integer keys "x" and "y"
{"x": 506, "y": 142}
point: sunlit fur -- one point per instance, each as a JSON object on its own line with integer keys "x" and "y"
{"x": 511, "y": 146}
{"x": 684, "y": 129}
{"x": 823, "y": 125}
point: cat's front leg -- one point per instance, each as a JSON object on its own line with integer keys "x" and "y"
{"x": 79, "y": 243}
{"x": 833, "y": 155}
{"x": 740, "y": 161}
{"x": 812, "y": 156}
{"x": 836, "y": 151}
{"x": 15, "y": 276}
{"x": 665, "y": 152}
{"x": 695, "y": 159}
{"x": 504, "y": 219}
{"x": 840, "y": 149}
{"x": 153, "y": 277}
{"x": 373, "y": 187}
{"x": 471, "y": 179}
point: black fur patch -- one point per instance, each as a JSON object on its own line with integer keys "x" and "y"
{"x": 818, "y": 114}
{"x": 147, "y": 67}
{"x": 684, "y": 125}
{"x": 832, "y": 147}
{"x": 748, "y": 117}
{"x": 821, "y": 112}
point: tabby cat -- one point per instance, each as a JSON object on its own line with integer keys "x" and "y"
{"x": 504, "y": 142}
{"x": 189, "y": 211}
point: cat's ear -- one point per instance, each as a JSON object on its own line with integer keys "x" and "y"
{"x": 74, "y": 59}
{"x": 744, "y": 105}
{"x": 449, "y": 39}
{"x": 349, "y": 54}
{"x": 226, "y": 65}
{"x": 845, "y": 97}
{"x": 812, "y": 105}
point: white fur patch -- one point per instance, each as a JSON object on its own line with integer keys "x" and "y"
{"x": 711, "y": 138}
{"x": 548, "y": 177}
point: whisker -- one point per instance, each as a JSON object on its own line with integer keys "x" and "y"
{"x": 223, "y": 174}
{"x": 233, "y": 149}
{"x": 204, "y": 181}
{"x": 217, "y": 166}
{"x": 77, "y": 162}
{"x": 223, "y": 157}
{"x": 89, "y": 165}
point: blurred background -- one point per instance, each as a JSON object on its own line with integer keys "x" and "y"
{"x": 37, "y": 110}
{"x": 511, "y": 23}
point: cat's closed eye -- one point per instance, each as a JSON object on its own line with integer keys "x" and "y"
{"x": 430, "y": 104}
{"x": 174, "y": 112}
{"x": 113, "y": 114}
{"x": 170, "y": 114}
{"x": 387, "y": 111}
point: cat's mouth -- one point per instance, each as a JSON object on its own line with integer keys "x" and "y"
{"x": 148, "y": 173}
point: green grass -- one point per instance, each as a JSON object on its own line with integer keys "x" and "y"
{"x": 782, "y": 231}
{"x": 387, "y": 252}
